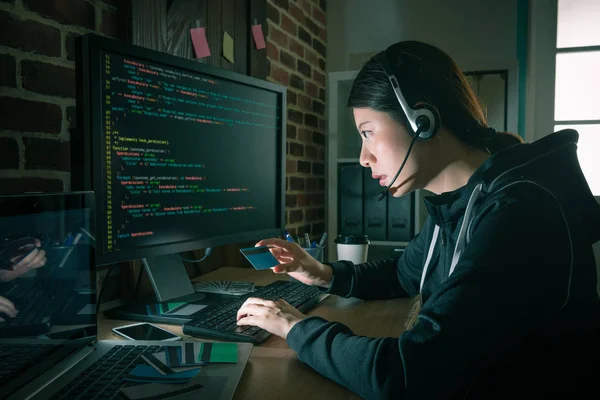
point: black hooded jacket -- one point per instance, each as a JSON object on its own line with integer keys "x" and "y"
{"x": 510, "y": 304}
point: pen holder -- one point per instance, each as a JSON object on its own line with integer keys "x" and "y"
{"x": 316, "y": 253}
{"x": 57, "y": 256}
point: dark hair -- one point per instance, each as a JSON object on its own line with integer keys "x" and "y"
{"x": 427, "y": 74}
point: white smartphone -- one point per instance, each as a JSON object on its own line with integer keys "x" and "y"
{"x": 145, "y": 331}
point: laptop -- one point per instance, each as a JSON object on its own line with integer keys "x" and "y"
{"x": 50, "y": 350}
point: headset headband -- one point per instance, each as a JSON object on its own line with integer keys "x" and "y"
{"x": 424, "y": 114}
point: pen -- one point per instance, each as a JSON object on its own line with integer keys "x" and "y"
{"x": 77, "y": 239}
{"x": 306, "y": 240}
{"x": 323, "y": 238}
{"x": 68, "y": 239}
{"x": 288, "y": 237}
{"x": 88, "y": 234}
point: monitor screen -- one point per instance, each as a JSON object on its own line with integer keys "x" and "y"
{"x": 183, "y": 156}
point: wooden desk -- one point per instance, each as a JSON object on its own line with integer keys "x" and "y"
{"x": 274, "y": 370}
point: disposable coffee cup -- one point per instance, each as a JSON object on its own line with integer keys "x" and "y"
{"x": 353, "y": 248}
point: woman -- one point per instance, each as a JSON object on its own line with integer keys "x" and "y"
{"x": 504, "y": 263}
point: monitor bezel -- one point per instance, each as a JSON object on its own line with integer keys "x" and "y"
{"x": 88, "y": 165}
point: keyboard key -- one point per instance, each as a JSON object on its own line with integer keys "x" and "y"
{"x": 105, "y": 381}
{"x": 241, "y": 328}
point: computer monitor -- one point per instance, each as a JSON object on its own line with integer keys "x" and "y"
{"x": 181, "y": 156}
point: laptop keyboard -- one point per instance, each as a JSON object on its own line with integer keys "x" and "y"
{"x": 104, "y": 378}
{"x": 36, "y": 302}
{"x": 18, "y": 357}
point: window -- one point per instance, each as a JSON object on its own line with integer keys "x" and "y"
{"x": 577, "y": 85}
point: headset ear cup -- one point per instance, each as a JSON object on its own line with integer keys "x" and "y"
{"x": 434, "y": 120}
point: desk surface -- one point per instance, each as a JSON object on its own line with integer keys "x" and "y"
{"x": 273, "y": 367}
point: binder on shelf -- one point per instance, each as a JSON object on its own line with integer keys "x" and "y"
{"x": 350, "y": 189}
{"x": 400, "y": 218}
{"x": 375, "y": 216}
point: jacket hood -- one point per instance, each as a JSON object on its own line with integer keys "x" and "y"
{"x": 552, "y": 163}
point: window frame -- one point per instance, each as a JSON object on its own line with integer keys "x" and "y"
{"x": 541, "y": 73}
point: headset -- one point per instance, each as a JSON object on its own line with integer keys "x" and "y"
{"x": 423, "y": 121}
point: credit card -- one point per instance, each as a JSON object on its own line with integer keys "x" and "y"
{"x": 260, "y": 257}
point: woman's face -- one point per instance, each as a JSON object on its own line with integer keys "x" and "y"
{"x": 384, "y": 146}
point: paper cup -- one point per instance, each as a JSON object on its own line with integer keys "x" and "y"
{"x": 353, "y": 248}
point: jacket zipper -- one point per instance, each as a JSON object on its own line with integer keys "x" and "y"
{"x": 443, "y": 237}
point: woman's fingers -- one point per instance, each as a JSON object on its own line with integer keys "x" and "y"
{"x": 277, "y": 252}
{"x": 284, "y": 268}
{"x": 255, "y": 306}
{"x": 257, "y": 300}
{"x": 250, "y": 309}
{"x": 248, "y": 320}
{"x": 7, "y": 307}
{"x": 39, "y": 260}
{"x": 27, "y": 259}
{"x": 279, "y": 269}
{"x": 284, "y": 244}
{"x": 281, "y": 249}
{"x": 36, "y": 259}
{"x": 281, "y": 303}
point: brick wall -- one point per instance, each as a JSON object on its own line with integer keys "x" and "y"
{"x": 37, "y": 85}
{"x": 296, "y": 53}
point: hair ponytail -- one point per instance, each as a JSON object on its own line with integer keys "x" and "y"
{"x": 502, "y": 140}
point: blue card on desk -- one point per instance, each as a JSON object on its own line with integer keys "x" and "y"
{"x": 260, "y": 257}
{"x": 147, "y": 373}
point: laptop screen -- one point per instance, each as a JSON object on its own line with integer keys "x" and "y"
{"x": 47, "y": 276}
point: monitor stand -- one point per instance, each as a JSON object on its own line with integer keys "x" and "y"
{"x": 169, "y": 277}
{"x": 171, "y": 285}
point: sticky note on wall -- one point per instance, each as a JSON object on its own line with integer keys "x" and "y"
{"x": 228, "y": 47}
{"x": 200, "y": 43}
{"x": 257, "y": 34}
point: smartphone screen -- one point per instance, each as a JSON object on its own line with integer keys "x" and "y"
{"x": 145, "y": 332}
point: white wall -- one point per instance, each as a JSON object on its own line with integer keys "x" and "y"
{"x": 476, "y": 34}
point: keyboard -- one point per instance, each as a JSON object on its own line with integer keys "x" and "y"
{"x": 37, "y": 302}
{"x": 19, "y": 357}
{"x": 104, "y": 378}
{"x": 220, "y": 322}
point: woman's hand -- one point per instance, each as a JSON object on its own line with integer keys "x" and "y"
{"x": 276, "y": 317}
{"x": 26, "y": 257}
{"x": 297, "y": 263}
{"x": 7, "y": 308}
